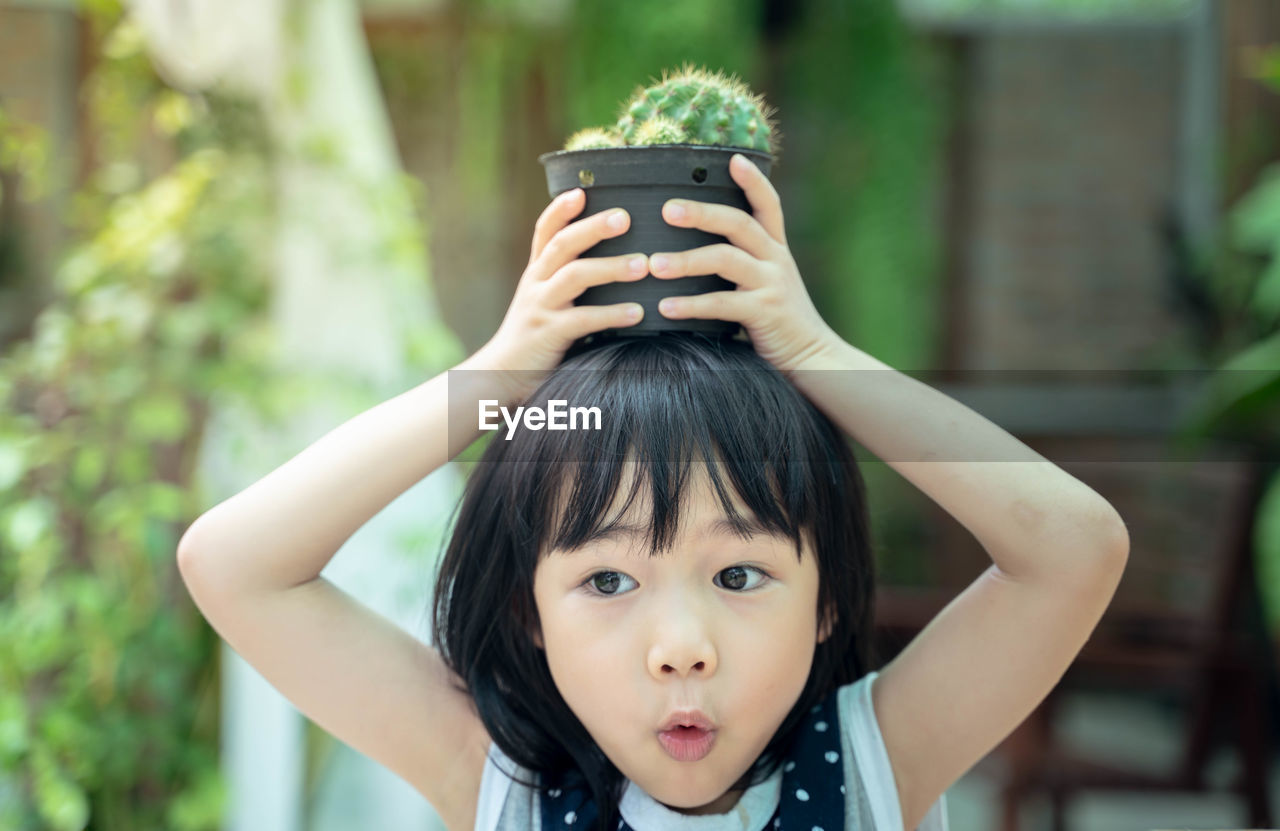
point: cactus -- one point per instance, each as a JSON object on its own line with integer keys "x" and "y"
{"x": 659, "y": 130}
{"x": 593, "y": 137}
{"x": 691, "y": 106}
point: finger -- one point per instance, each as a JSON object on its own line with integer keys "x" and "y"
{"x": 554, "y": 217}
{"x": 734, "y": 224}
{"x": 714, "y": 305}
{"x": 585, "y": 272}
{"x": 581, "y": 321}
{"x": 729, "y": 261}
{"x": 765, "y": 203}
{"x": 569, "y": 243}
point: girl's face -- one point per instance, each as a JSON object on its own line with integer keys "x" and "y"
{"x": 717, "y": 623}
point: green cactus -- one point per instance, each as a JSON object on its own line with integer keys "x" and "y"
{"x": 693, "y": 106}
{"x": 593, "y": 137}
{"x": 659, "y": 130}
{"x": 708, "y": 107}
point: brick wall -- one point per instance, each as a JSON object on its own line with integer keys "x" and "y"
{"x": 1073, "y": 152}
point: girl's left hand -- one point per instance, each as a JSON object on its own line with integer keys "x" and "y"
{"x": 770, "y": 300}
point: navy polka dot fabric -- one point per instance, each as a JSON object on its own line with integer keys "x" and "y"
{"x": 813, "y": 790}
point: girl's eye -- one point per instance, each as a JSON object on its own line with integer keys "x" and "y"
{"x": 737, "y": 577}
{"x": 605, "y": 583}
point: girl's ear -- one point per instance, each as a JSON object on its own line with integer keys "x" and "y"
{"x": 529, "y": 620}
{"x": 827, "y": 625}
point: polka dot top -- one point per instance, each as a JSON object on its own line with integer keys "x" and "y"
{"x": 837, "y": 776}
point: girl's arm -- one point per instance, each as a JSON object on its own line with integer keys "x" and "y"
{"x": 1058, "y": 549}
{"x": 1035, "y": 520}
{"x": 996, "y": 651}
{"x": 282, "y": 530}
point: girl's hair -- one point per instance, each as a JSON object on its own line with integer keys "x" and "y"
{"x": 666, "y": 401}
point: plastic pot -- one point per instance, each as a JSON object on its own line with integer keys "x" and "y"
{"x": 641, "y": 179}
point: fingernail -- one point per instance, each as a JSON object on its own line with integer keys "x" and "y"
{"x": 633, "y": 311}
{"x": 667, "y": 306}
{"x": 659, "y": 263}
{"x": 675, "y": 210}
{"x": 638, "y": 265}
{"x": 617, "y": 219}
{"x": 739, "y": 159}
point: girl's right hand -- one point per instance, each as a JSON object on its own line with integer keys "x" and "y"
{"x": 542, "y": 321}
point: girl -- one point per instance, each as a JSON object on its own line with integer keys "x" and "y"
{"x": 666, "y": 623}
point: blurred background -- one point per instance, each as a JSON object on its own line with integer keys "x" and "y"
{"x": 226, "y": 226}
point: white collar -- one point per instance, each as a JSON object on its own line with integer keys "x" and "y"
{"x": 753, "y": 810}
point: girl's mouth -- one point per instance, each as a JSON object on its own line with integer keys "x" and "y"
{"x": 687, "y": 744}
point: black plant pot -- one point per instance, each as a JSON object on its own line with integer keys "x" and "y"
{"x": 641, "y": 179}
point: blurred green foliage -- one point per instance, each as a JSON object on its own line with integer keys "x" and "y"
{"x": 1243, "y": 399}
{"x": 108, "y": 684}
{"x": 1092, "y": 8}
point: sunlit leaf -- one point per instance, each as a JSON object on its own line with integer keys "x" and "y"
{"x": 1244, "y": 386}
{"x": 160, "y": 416}
{"x": 14, "y": 735}
{"x": 1266, "y": 294}
{"x": 12, "y": 462}
{"x": 89, "y": 467}
{"x": 27, "y": 522}
{"x": 1255, "y": 220}
{"x": 200, "y": 806}
{"x": 62, "y": 804}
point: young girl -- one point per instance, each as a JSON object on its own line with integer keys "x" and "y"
{"x": 665, "y": 622}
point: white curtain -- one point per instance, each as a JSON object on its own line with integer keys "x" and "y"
{"x": 342, "y": 306}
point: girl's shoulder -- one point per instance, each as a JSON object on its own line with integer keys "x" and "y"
{"x": 869, "y": 768}
{"x": 506, "y": 798}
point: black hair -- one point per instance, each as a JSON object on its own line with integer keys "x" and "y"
{"x": 667, "y": 401}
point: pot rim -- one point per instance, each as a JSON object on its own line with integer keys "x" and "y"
{"x": 712, "y": 148}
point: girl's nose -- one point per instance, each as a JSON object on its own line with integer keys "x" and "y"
{"x": 682, "y": 647}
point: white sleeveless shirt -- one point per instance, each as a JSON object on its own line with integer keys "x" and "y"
{"x": 871, "y": 794}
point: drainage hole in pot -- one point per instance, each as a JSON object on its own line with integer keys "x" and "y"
{"x": 586, "y": 178}
{"x": 699, "y": 174}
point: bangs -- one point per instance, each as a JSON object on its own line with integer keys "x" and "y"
{"x": 667, "y": 404}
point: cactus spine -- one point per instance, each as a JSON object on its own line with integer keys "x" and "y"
{"x": 691, "y": 106}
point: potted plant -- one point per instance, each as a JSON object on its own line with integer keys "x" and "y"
{"x": 673, "y": 139}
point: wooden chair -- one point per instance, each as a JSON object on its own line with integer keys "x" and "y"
{"x": 1185, "y": 622}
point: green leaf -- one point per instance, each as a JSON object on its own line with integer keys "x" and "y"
{"x": 14, "y": 737}
{"x": 12, "y": 463}
{"x": 166, "y": 501}
{"x": 89, "y": 466}
{"x": 160, "y": 416}
{"x": 27, "y": 522}
{"x": 200, "y": 806}
{"x": 1244, "y": 386}
{"x": 1266, "y": 295}
{"x": 1267, "y": 546}
{"x": 1263, "y": 64}
{"x": 1255, "y": 221}
{"x": 61, "y": 803}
